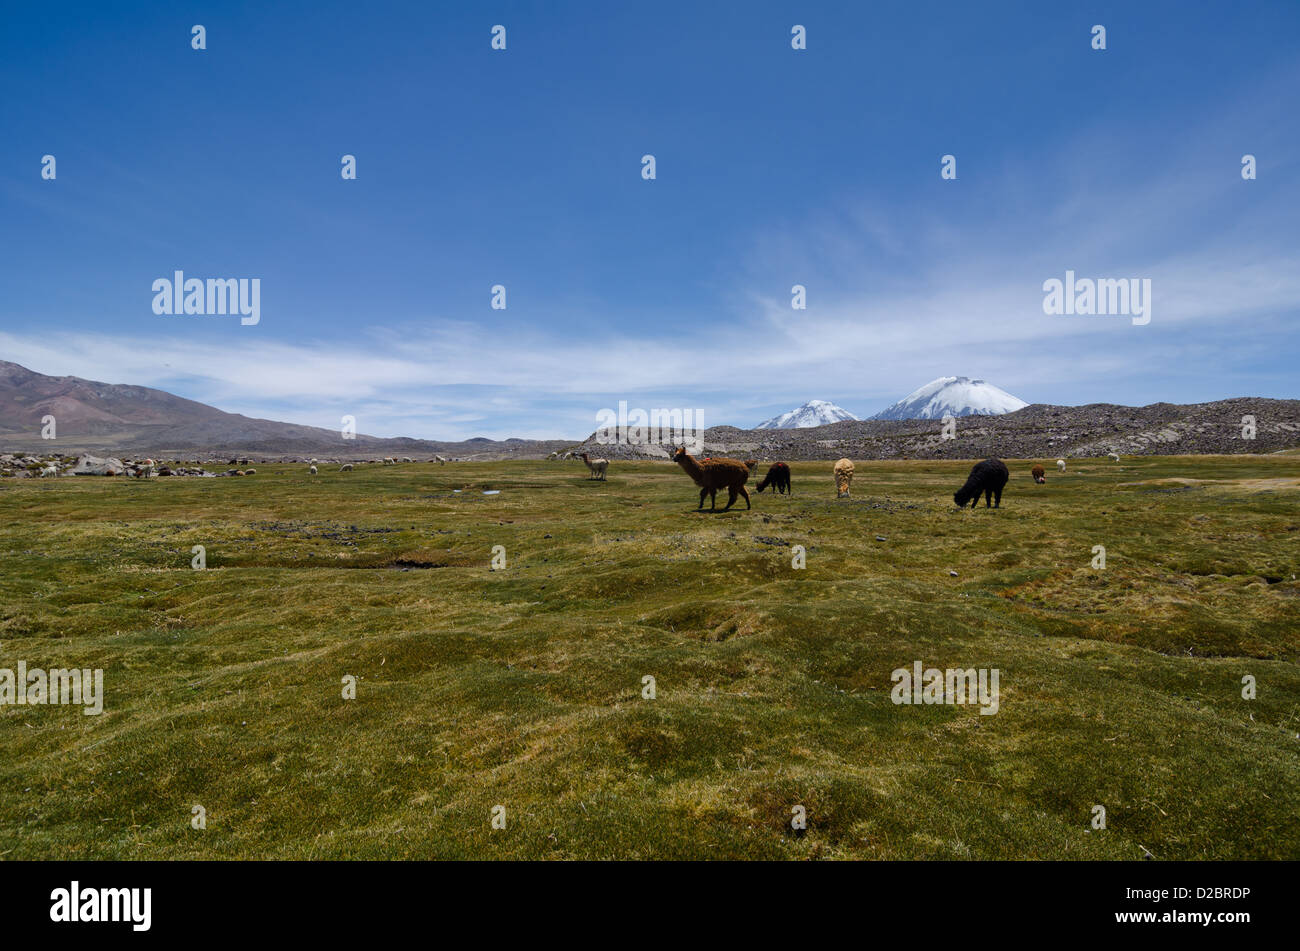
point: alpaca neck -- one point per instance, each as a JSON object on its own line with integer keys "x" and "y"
{"x": 692, "y": 467}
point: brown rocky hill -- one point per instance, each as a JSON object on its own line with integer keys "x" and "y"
{"x": 103, "y": 417}
{"x": 1037, "y": 431}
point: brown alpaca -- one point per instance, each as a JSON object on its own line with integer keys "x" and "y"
{"x": 1039, "y": 475}
{"x": 597, "y": 467}
{"x": 751, "y": 464}
{"x": 843, "y": 477}
{"x": 714, "y": 474}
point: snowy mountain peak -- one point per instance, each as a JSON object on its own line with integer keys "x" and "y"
{"x": 812, "y": 413}
{"x": 953, "y": 396}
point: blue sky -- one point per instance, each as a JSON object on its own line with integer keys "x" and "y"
{"x": 774, "y": 167}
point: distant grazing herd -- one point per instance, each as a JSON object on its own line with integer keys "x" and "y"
{"x": 711, "y": 473}
{"x": 987, "y": 478}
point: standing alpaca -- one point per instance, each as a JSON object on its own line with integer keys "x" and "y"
{"x": 778, "y": 477}
{"x": 597, "y": 467}
{"x": 1113, "y": 456}
{"x": 311, "y": 469}
{"x": 987, "y": 478}
{"x": 1060, "y": 464}
{"x": 714, "y": 474}
{"x": 843, "y": 478}
{"x": 1039, "y": 475}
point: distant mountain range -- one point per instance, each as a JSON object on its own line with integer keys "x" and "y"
{"x": 99, "y": 417}
{"x": 108, "y": 416}
{"x": 953, "y": 396}
{"x": 812, "y": 413}
{"x": 946, "y": 396}
{"x": 1038, "y": 431}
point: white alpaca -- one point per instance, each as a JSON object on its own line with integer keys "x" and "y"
{"x": 1060, "y": 464}
{"x": 49, "y": 471}
{"x": 389, "y": 461}
{"x": 313, "y": 462}
{"x": 312, "y": 470}
{"x": 597, "y": 467}
{"x": 346, "y": 467}
{"x": 1113, "y": 456}
{"x": 441, "y": 461}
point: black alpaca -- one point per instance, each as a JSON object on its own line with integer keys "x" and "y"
{"x": 778, "y": 477}
{"x": 987, "y": 478}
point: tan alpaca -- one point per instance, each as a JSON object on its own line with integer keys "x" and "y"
{"x": 597, "y": 467}
{"x": 843, "y": 477}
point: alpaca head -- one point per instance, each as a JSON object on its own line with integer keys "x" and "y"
{"x": 679, "y": 454}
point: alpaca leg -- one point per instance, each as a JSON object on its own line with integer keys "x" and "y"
{"x": 703, "y": 493}
{"x": 746, "y": 495}
{"x": 731, "y": 497}
{"x": 997, "y": 498}
{"x": 713, "y": 500}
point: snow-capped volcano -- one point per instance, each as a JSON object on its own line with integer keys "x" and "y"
{"x": 953, "y": 396}
{"x": 812, "y": 413}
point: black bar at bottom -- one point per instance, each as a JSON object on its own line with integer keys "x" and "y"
{"x": 301, "y": 900}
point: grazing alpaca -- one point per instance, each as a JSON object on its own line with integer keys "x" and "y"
{"x": 714, "y": 474}
{"x": 1113, "y": 456}
{"x": 1060, "y": 464}
{"x": 987, "y": 478}
{"x": 250, "y": 472}
{"x": 49, "y": 471}
{"x": 346, "y": 467}
{"x": 312, "y": 470}
{"x": 751, "y": 464}
{"x": 843, "y": 478}
{"x": 1039, "y": 475}
{"x": 597, "y": 467}
{"x": 440, "y": 460}
{"x": 778, "y": 477}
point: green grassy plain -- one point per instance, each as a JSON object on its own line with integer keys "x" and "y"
{"x": 522, "y": 686}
